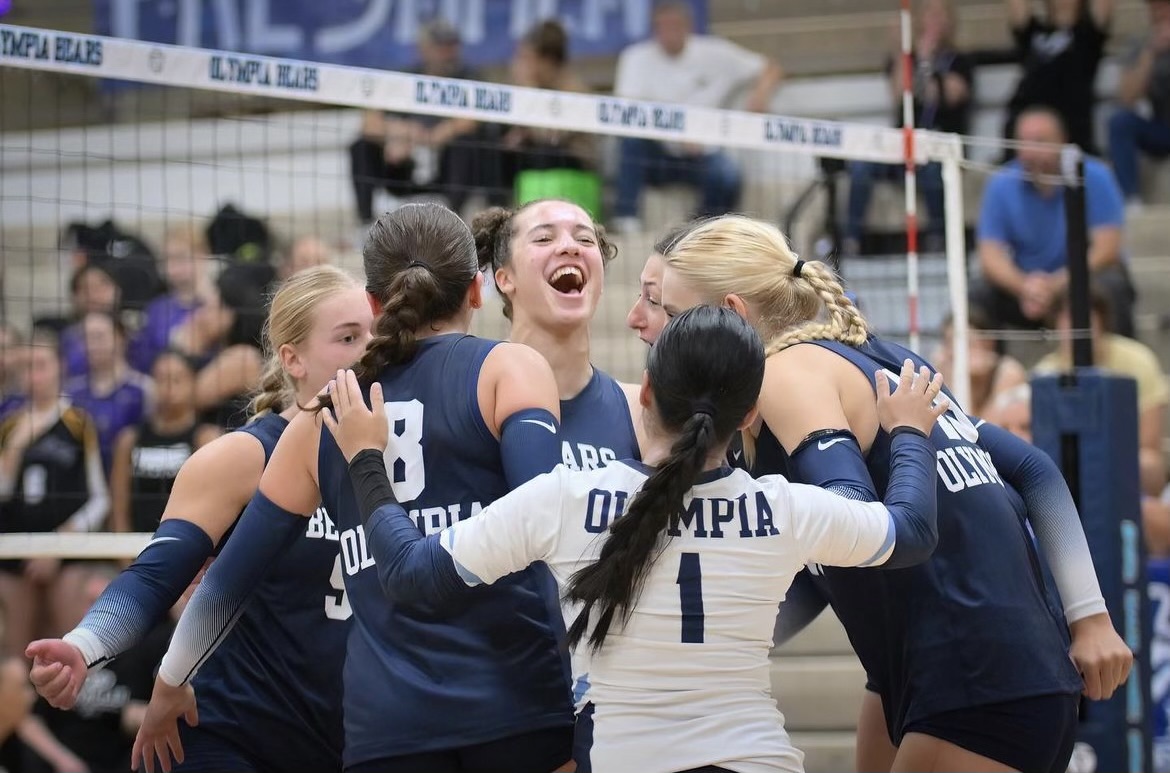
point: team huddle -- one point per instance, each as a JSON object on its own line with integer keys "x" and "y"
{"x": 440, "y": 553}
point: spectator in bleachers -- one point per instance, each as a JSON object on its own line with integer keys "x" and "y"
{"x": 127, "y": 258}
{"x": 1125, "y": 357}
{"x": 1012, "y": 410}
{"x": 992, "y": 371}
{"x": 943, "y": 79}
{"x": 147, "y": 457}
{"x": 51, "y": 479}
{"x": 188, "y": 269}
{"x": 1146, "y": 77}
{"x": 1022, "y": 240}
{"x": 678, "y": 66}
{"x": 114, "y": 395}
{"x": 230, "y": 329}
{"x": 541, "y": 61}
{"x": 305, "y": 252}
{"x": 418, "y": 154}
{"x": 91, "y": 289}
{"x": 11, "y": 351}
{"x": 1060, "y": 53}
{"x": 16, "y": 695}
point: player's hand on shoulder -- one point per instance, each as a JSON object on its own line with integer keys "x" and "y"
{"x": 914, "y": 403}
{"x": 354, "y": 426}
{"x": 58, "y": 671}
{"x": 1100, "y": 655}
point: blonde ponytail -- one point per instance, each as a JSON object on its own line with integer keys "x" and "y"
{"x": 276, "y": 389}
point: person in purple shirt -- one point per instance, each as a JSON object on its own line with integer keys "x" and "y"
{"x": 113, "y": 394}
{"x": 187, "y": 266}
{"x": 91, "y": 288}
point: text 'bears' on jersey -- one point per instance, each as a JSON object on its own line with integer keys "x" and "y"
{"x": 321, "y": 526}
{"x": 582, "y": 456}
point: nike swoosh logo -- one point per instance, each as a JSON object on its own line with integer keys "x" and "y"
{"x": 159, "y": 540}
{"x": 825, "y": 445}
{"x": 540, "y": 423}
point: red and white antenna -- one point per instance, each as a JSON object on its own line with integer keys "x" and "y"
{"x": 911, "y": 171}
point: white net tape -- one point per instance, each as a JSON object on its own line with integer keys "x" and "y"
{"x": 104, "y": 57}
{"x": 92, "y": 546}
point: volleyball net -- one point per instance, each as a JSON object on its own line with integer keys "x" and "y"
{"x": 156, "y": 136}
{"x": 136, "y": 152}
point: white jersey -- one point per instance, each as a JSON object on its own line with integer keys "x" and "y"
{"x": 685, "y": 682}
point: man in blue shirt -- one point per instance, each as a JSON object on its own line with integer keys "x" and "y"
{"x": 1022, "y": 238}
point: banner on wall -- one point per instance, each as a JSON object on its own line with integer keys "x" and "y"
{"x": 375, "y": 33}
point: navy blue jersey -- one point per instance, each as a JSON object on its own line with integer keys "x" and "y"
{"x": 596, "y": 425}
{"x": 972, "y": 625}
{"x": 483, "y": 667}
{"x": 273, "y": 687}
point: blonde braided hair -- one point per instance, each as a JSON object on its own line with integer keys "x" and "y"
{"x": 789, "y": 300}
{"x": 750, "y": 258}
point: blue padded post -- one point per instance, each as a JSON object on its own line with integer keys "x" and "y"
{"x": 1087, "y": 422}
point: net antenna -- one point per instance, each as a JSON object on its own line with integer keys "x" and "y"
{"x": 103, "y": 57}
{"x": 911, "y": 171}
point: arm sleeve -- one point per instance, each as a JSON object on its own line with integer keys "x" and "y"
{"x": 900, "y": 532}
{"x": 1053, "y": 516}
{"x": 832, "y": 460}
{"x": 262, "y": 534}
{"x": 505, "y": 537}
{"x": 92, "y": 514}
{"x": 802, "y": 604}
{"x": 530, "y": 445}
{"x": 141, "y": 596}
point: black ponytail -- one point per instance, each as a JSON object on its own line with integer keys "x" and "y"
{"x": 705, "y": 372}
{"x": 614, "y": 582}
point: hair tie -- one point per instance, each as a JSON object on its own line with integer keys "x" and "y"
{"x": 796, "y": 269}
{"x": 418, "y": 264}
{"x": 704, "y": 406}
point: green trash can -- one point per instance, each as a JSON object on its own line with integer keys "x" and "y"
{"x": 580, "y": 187}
